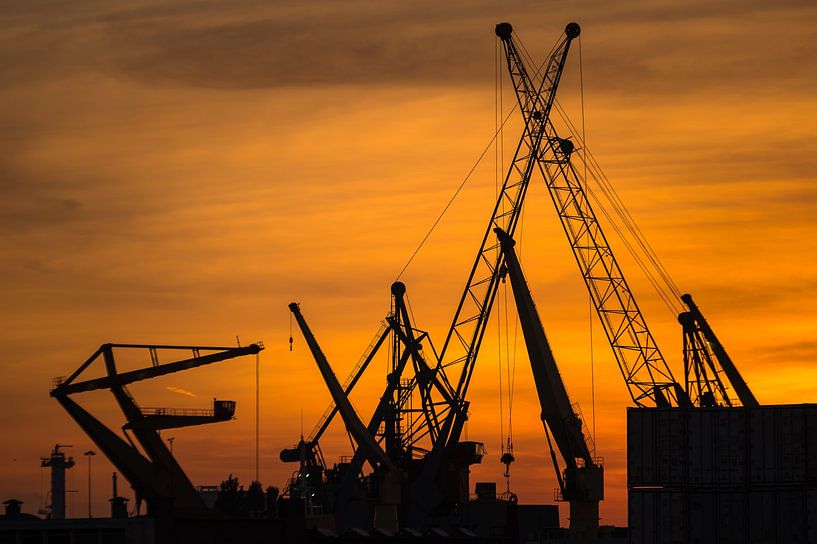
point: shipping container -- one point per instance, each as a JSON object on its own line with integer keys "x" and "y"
{"x": 670, "y": 451}
{"x": 716, "y": 516}
{"x": 729, "y": 447}
{"x": 777, "y": 448}
{"x": 811, "y": 444}
{"x": 762, "y": 517}
{"x": 723, "y": 516}
{"x": 635, "y": 446}
{"x": 723, "y": 475}
{"x": 702, "y": 517}
{"x": 779, "y": 515}
{"x": 722, "y": 447}
{"x": 656, "y": 516}
{"x": 811, "y": 514}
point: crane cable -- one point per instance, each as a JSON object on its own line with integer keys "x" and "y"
{"x": 506, "y": 441}
{"x": 509, "y": 438}
{"x": 456, "y": 193}
{"x": 590, "y": 298}
{"x": 499, "y": 158}
{"x": 511, "y": 347}
{"x": 497, "y": 133}
{"x": 609, "y": 192}
{"x": 669, "y": 288}
{"x": 632, "y": 226}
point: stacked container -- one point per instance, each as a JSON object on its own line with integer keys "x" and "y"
{"x": 724, "y": 475}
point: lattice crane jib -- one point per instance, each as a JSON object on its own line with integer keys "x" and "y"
{"x": 646, "y": 373}
{"x": 459, "y": 352}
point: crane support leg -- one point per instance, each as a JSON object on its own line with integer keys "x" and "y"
{"x": 163, "y": 487}
{"x": 349, "y": 480}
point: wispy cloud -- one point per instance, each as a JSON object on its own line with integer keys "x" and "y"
{"x": 180, "y": 391}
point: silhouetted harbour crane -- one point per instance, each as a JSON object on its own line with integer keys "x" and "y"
{"x": 412, "y": 485}
{"x": 582, "y": 482}
{"x": 156, "y": 476}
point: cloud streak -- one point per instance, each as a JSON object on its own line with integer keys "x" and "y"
{"x": 180, "y": 391}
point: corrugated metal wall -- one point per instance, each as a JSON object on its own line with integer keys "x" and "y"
{"x": 723, "y": 475}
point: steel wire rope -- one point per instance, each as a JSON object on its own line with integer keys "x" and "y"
{"x": 498, "y": 171}
{"x": 638, "y": 234}
{"x": 613, "y": 196}
{"x": 512, "y": 363}
{"x": 620, "y": 208}
{"x": 497, "y": 132}
{"x": 618, "y": 205}
{"x": 606, "y": 190}
{"x": 590, "y": 298}
{"x": 604, "y": 183}
{"x": 609, "y": 192}
{"x": 668, "y": 302}
{"x": 509, "y": 448}
{"x": 529, "y": 58}
{"x": 508, "y": 366}
{"x": 258, "y": 415}
{"x": 629, "y": 224}
{"x": 511, "y": 359}
{"x": 454, "y": 196}
{"x": 622, "y": 212}
{"x": 666, "y": 297}
{"x": 511, "y": 368}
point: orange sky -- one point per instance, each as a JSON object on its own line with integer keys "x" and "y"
{"x": 177, "y": 172}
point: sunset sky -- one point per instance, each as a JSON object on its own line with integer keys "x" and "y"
{"x": 178, "y": 172}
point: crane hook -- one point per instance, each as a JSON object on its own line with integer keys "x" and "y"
{"x": 506, "y": 459}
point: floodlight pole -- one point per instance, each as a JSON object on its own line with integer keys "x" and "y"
{"x": 89, "y": 454}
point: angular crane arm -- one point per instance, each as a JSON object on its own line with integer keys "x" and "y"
{"x": 557, "y": 410}
{"x": 124, "y": 378}
{"x": 155, "y": 475}
{"x": 693, "y": 322}
{"x": 365, "y": 440}
{"x": 583, "y": 481}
